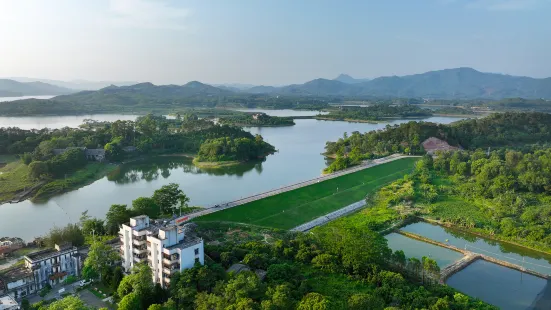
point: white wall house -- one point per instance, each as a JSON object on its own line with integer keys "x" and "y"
{"x": 50, "y": 266}
{"x": 164, "y": 245}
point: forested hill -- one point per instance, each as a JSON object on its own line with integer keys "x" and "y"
{"x": 495, "y": 130}
{"x": 458, "y": 83}
{"x": 12, "y": 88}
{"x": 377, "y": 112}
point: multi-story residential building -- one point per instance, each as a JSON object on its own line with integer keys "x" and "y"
{"x": 167, "y": 246}
{"x": 49, "y": 266}
{"x": 54, "y": 265}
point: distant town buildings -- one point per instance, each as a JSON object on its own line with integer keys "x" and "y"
{"x": 167, "y": 246}
{"x": 49, "y": 266}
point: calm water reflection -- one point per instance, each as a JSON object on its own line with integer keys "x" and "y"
{"x": 533, "y": 260}
{"x": 503, "y": 287}
{"x": 298, "y": 159}
{"x": 418, "y": 249}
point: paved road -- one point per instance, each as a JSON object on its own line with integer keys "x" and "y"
{"x": 364, "y": 165}
{"x": 91, "y": 300}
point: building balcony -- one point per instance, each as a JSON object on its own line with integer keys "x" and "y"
{"x": 139, "y": 250}
{"x": 138, "y": 242}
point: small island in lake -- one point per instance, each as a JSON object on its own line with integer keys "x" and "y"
{"x": 375, "y": 113}
{"x": 40, "y": 164}
{"x": 256, "y": 120}
{"x": 228, "y": 151}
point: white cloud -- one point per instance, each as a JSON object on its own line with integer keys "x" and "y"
{"x": 504, "y": 5}
{"x": 153, "y": 14}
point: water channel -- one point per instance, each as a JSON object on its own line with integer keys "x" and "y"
{"x": 298, "y": 159}
{"x": 495, "y": 284}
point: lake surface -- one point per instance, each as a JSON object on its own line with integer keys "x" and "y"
{"x": 56, "y": 122}
{"x": 4, "y": 99}
{"x": 503, "y": 287}
{"x": 530, "y": 259}
{"x": 298, "y": 159}
{"x": 418, "y": 249}
{"x": 284, "y": 112}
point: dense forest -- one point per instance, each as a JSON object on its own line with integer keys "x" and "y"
{"x": 148, "y": 135}
{"x": 256, "y": 120}
{"x": 343, "y": 265}
{"x": 376, "y": 112}
{"x": 495, "y": 130}
{"x": 148, "y": 98}
{"x": 234, "y": 149}
{"x": 505, "y": 194}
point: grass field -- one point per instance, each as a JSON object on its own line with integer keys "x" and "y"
{"x": 299, "y": 206}
{"x": 14, "y": 178}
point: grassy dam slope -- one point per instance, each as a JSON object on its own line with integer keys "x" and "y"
{"x": 290, "y": 209}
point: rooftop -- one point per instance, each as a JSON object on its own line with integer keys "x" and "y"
{"x": 7, "y": 302}
{"x": 186, "y": 243}
{"x": 15, "y": 273}
{"x": 49, "y": 253}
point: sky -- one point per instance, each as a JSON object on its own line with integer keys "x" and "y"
{"x": 269, "y": 42}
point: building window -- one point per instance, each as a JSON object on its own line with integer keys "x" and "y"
{"x": 197, "y": 251}
{"x": 197, "y": 260}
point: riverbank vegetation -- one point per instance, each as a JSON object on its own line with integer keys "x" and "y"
{"x": 376, "y": 112}
{"x": 256, "y": 120}
{"x": 495, "y": 130}
{"x": 57, "y": 157}
{"x": 504, "y": 195}
{"x": 338, "y": 268}
{"x": 292, "y": 208}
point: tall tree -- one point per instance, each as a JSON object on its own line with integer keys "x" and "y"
{"x": 170, "y": 198}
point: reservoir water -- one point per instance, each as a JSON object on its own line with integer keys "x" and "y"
{"x": 500, "y": 286}
{"x": 298, "y": 159}
{"x": 530, "y": 259}
{"x": 495, "y": 284}
{"x": 418, "y": 249}
{"x": 56, "y": 122}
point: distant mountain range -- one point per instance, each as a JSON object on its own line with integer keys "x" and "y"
{"x": 459, "y": 83}
{"x": 11, "y": 88}
{"x": 143, "y": 92}
{"x": 76, "y": 84}
{"x": 345, "y": 78}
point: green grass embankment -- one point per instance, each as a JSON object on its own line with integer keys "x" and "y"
{"x": 14, "y": 179}
{"x": 299, "y": 206}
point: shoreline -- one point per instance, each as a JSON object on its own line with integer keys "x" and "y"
{"x": 31, "y": 194}
{"x": 251, "y": 125}
{"x": 493, "y": 238}
{"x": 215, "y": 164}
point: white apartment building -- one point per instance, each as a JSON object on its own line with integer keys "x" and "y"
{"x": 49, "y": 266}
{"x": 164, "y": 245}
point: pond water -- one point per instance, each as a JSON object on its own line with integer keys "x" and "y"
{"x": 500, "y": 286}
{"x": 298, "y": 159}
{"x": 530, "y": 259}
{"x": 418, "y": 249}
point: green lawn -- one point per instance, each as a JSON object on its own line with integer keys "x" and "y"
{"x": 299, "y": 206}
{"x": 14, "y": 178}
